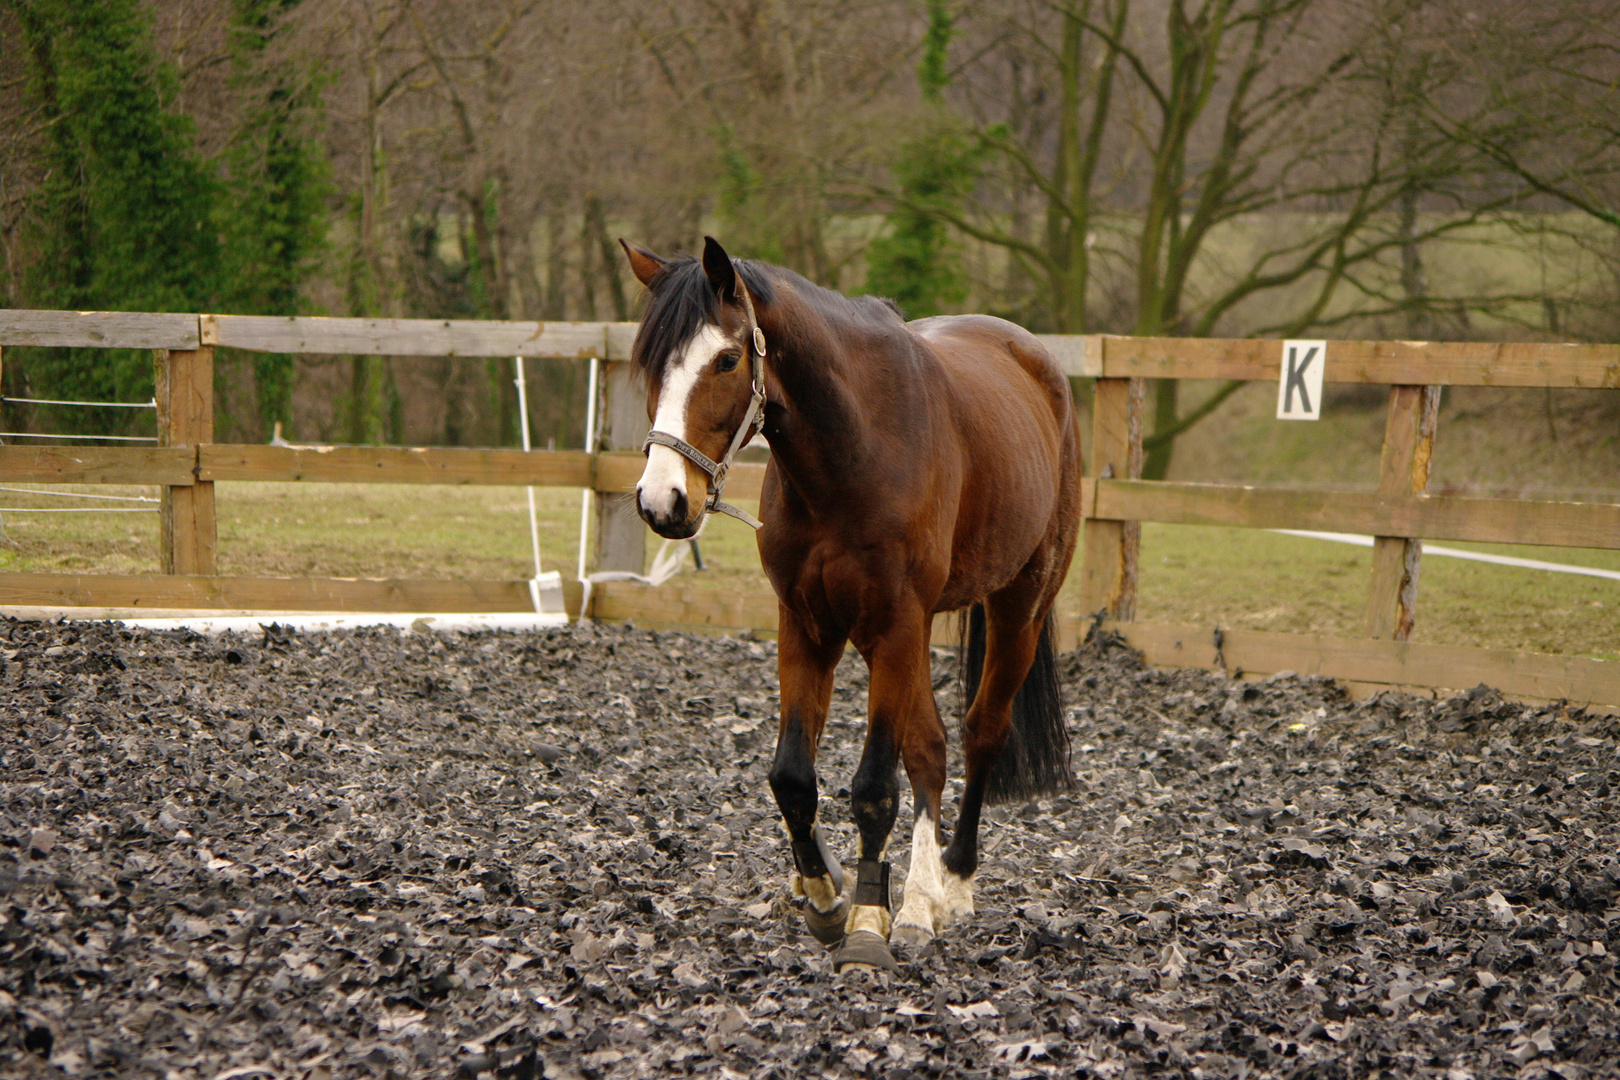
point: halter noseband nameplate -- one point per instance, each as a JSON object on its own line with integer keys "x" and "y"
{"x": 754, "y": 417}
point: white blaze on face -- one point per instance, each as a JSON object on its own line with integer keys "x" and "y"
{"x": 665, "y": 474}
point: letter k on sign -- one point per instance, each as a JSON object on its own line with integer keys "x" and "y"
{"x": 1299, "y": 389}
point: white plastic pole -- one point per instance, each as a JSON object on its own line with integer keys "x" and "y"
{"x": 534, "y": 521}
{"x": 585, "y": 503}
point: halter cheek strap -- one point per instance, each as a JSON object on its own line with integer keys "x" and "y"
{"x": 753, "y": 419}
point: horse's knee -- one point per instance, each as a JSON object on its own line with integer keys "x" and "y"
{"x": 793, "y": 780}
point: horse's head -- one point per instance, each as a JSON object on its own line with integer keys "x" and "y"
{"x": 702, "y": 352}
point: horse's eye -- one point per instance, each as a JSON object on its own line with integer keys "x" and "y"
{"x": 727, "y": 362}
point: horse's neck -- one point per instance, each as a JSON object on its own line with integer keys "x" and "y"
{"x": 822, "y": 371}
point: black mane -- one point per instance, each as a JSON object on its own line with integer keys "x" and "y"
{"x": 680, "y": 301}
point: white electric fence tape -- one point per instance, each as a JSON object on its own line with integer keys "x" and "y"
{"x": 545, "y": 590}
{"x": 1459, "y": 553}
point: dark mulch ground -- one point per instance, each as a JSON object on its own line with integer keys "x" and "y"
{"x": 554, "y": 854}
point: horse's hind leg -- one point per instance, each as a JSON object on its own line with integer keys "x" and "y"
{"x": 923, "y": 751}
{"x": 805, "y": 666}
{"x": 925, "y": 909}
{"x": 1013, "y": 619}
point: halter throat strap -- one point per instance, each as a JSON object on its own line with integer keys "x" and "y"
{"x": 754, "y": 342}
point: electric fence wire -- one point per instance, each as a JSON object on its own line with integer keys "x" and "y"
{"x": 98, "y": 438}
{"x": 80, "y": 509}
{"x": 77, "y": 495}
{"x": 152, "y": 404}
{"x": 88, "y": 404}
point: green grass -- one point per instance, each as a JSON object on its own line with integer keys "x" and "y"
{"x": 1254, "y": 580}
{"x": 347, "y": 530}
{"x": 1234, "y": 578}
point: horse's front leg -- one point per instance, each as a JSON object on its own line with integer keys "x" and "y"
{"x": 902, "y": 724}
{"x": 805, "y": 664}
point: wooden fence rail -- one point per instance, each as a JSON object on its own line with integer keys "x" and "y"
{"x": 1398, "y": 512}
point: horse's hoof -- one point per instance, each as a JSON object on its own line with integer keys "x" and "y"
{"x": 909, "y": 936}
{"x": 864, "y": 950}
{"x": 827, "y": 927}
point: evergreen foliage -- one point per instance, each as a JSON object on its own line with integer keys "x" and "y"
{"x": 915, "y": 263}
{"x": 744, "y": 202}
{"x": 273, "y": 218}
{"x": 124, "y": 219}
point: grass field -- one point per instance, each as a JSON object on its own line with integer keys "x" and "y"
{"x": 1213, "y": 576}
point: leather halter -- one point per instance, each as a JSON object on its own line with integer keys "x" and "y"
{"x": 754, "y": 418}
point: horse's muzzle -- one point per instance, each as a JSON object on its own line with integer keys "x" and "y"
{"x": 671, "y": 524}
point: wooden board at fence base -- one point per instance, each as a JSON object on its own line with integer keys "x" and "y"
{"x": 407, "y": 337}
{"x": 1433, "y": 517}
{"x": 97, "y": 329}
{"x": 396, "y": 465}
{"x": 260, "y": 594}
{"x": 97, "y": 465}
{"x": 1396, "y": 663}
{"x": 1406, "y": 363}
{"x": 669, "y": 605}
{"x": 686, "y": 607}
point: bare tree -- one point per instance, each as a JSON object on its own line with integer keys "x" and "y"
{"x": 789, "y": 103}
{"x": 1164, "y": 124}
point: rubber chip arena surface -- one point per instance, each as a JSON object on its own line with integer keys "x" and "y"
{"x": 554, "y": 854}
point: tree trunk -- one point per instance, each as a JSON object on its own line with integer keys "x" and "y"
{"x": 608, "y": 257}
{"x": 587, "y": 274}
{"x": 556, "y": 305}
{"x": 1414, "y": 282}
{"x": 1166, "y": 395}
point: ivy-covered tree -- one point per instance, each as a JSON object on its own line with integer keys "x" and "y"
{"x": 915, "y": 262}
{"x": 273, "y": 214}
{"x": 124, "y": 218}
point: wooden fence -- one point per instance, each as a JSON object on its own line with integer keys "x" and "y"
{"x": 1398, "y": 513}
{"x": 187, "y": 463}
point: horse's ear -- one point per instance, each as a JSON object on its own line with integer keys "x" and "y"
{"x": 643, "y": 263}
{"x": 717, "y": 264}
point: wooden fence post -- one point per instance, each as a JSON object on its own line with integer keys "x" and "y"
{"x": 1109, "y": 564}
{"x": 1414, "y": 412}
{"x": 188, "y": 537}
{"x": 621, "y": 535}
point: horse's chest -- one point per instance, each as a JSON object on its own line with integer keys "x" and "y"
{"x": 838, "y": 584}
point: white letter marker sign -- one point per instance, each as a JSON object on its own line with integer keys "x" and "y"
{"x": 1299, "y": 390}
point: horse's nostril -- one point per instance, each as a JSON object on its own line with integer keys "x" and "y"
{"x": 677, "y": 506}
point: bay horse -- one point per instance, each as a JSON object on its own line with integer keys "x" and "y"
{"x": 916, "y": 468}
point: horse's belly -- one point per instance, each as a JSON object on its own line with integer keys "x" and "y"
{"x": 995, "y": 539}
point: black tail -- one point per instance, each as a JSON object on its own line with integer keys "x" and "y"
{"x": 1035, "y": 760}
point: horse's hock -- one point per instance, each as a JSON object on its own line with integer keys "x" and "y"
{"x": 187, "y": 462}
